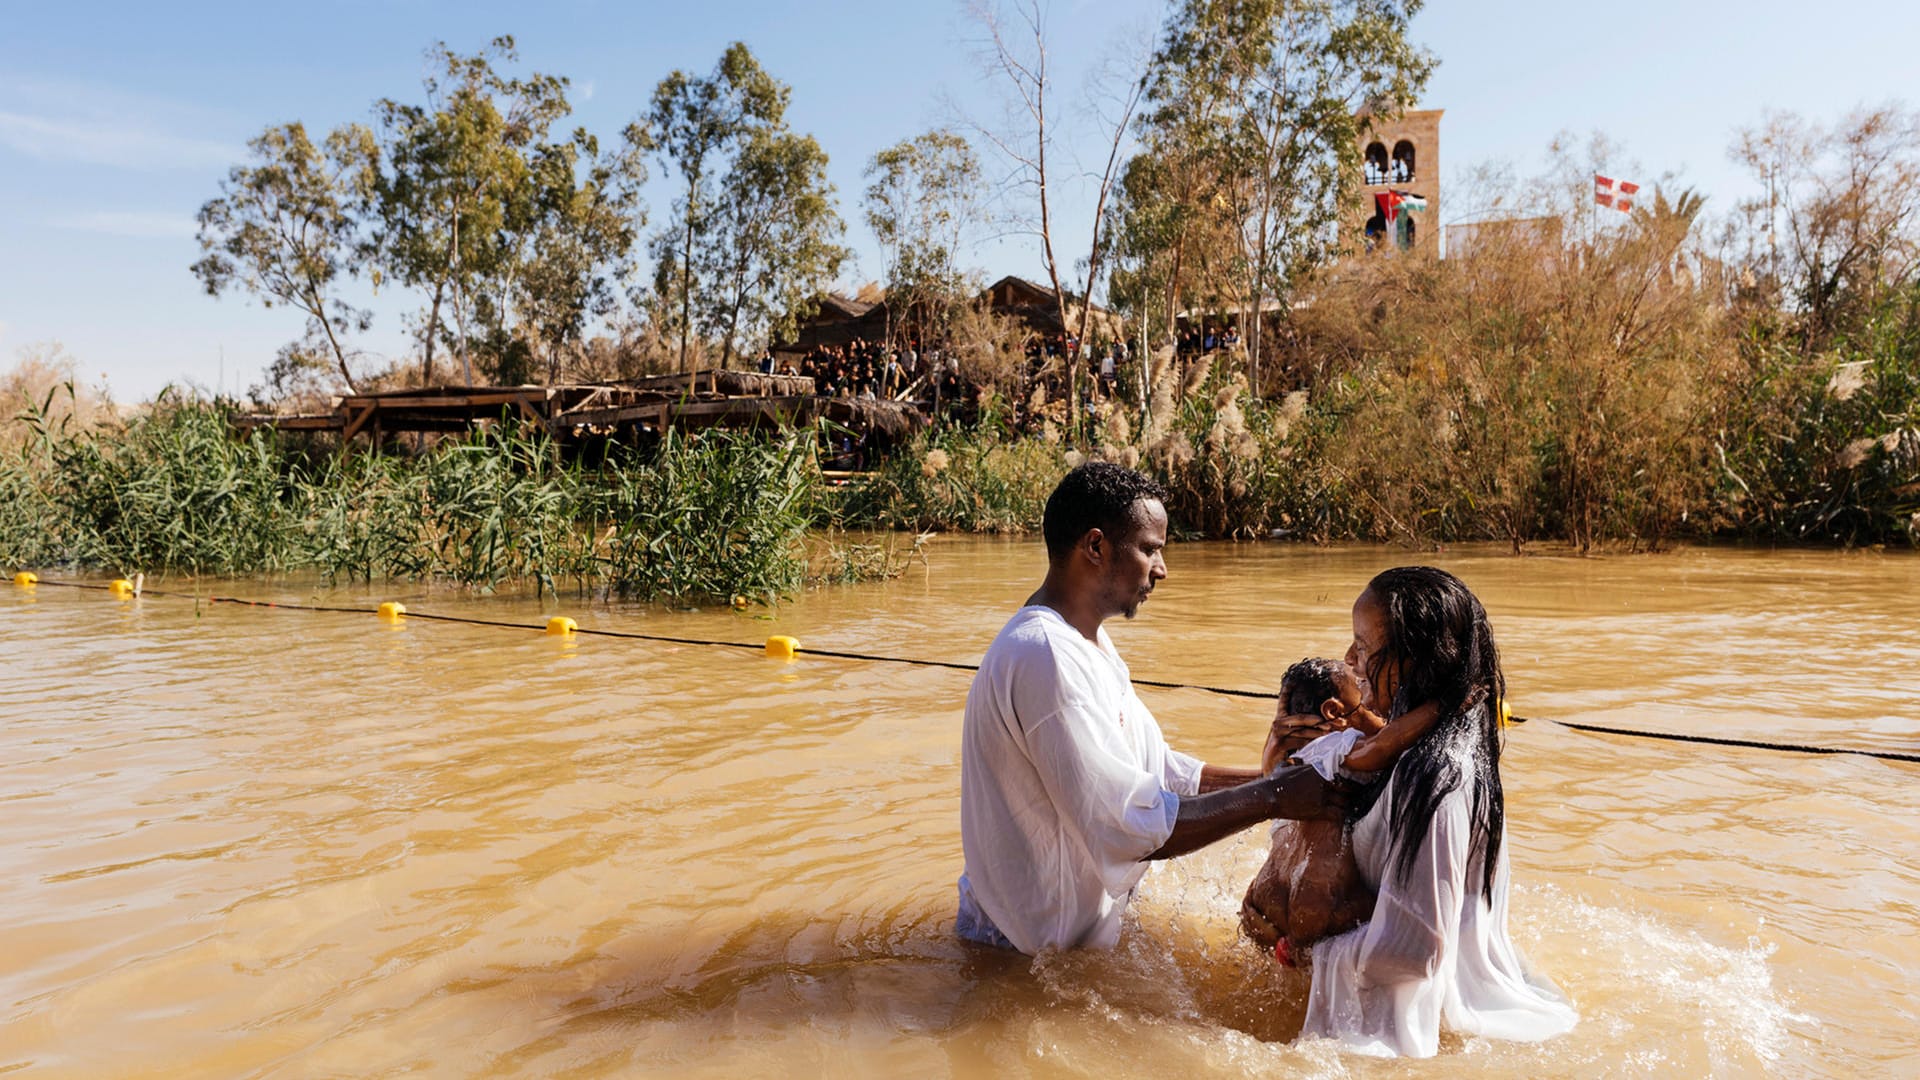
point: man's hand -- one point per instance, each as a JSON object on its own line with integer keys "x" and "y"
{"x": 1293, "y": 792}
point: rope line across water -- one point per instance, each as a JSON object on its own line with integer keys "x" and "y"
{"x": 1669, "y": 736}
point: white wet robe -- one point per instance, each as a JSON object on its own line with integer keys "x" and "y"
{"x": 1066, "y": 783}
{"x": 1434, "y": 952}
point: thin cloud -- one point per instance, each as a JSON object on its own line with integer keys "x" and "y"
{"x": 99, "y": 141}
{"x": 134, "y": 223}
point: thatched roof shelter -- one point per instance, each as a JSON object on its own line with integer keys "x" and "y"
{"x": 840, "y": 321}
{"x": 896, "y": 419}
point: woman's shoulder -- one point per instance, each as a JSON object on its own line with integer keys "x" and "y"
{"x": 1458, "y": 749}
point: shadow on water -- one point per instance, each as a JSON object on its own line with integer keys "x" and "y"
{"x": 691, "y": 996}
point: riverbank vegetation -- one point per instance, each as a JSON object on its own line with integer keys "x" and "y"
{"x": 173, "y": 490}
{"x": 1568, "y": 373}
{"x": 1505, "y": 398}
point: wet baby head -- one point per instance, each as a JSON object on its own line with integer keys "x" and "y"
{"x": 1318, "y": 685}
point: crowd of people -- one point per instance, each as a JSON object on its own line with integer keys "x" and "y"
{"x": 861, "y": 368}
{"x": 1196, "y": 340}
{"x": 871, "y": 370}
{"x": 865, "y": 370}
{"x": 933, "y": 378}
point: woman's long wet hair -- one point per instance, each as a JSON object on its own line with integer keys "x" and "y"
{"x": 1437, "y": 633}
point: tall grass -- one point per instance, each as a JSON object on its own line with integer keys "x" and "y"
{"x": 171, "y": 490}
{"x": 175, "y": 491}
{"x": 956, "y": 479}
{"x": 1828, "y": 447}
{"x": 719, "y": 515}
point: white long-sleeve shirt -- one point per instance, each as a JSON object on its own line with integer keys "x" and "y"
{"x": 1066, "y": 783}
{"x": 1435, "y": 949}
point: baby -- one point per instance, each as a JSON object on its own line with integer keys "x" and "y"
{"x": 1328, "y": 689}
{"x": 1310, "y": 886}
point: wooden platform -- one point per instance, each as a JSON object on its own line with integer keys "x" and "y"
{"x": 700, "y": 400}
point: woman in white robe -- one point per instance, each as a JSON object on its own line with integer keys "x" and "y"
{"x": 1435, "y": 951}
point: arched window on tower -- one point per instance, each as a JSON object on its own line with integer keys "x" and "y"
{"x": 1402, "y": 162}
{"x": 1375, "y": 165}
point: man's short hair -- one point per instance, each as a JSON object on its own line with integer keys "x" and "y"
{"x": 1097, "y": 495}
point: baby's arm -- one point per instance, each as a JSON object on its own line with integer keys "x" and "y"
{"x": 1382, "y": 748}
{"x": 1365, "y": 720}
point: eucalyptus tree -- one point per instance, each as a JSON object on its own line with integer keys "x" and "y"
{"x": 697, "y": 125}
{"x": 922, "y": 200}
{"x": 461, "y": 194}
{"x": 1145, "y": 237}
{"x": 1267, "y": 99}
{"x": 573, "y": 240}
{"x": 287, "y": 228}
{"x": 772, "y": 242}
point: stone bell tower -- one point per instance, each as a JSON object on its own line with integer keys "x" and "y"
{"x": 1400, "y": 158}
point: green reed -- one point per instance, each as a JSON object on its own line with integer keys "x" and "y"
{"x": 972, "y": 481}
{"x": 174, "y": 490}
{"x": 715, "y": 515}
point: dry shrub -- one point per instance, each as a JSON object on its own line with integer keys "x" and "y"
{"x": 45, "y": 380}
{"x": 991, "y": 348}
{"x": 1530, "y": 389}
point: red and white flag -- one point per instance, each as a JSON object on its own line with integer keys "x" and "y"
{"x": 1615, "y": 193}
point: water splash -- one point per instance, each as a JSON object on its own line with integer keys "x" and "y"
{"x": 1653, "y": 997}
{"x": 1632, "y": 973}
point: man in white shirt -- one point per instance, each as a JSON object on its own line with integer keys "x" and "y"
{"x": 1067, "y": 787}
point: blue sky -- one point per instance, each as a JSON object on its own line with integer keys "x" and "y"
{"x": 118, "y": 120}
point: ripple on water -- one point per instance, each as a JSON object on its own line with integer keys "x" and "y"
{"x": 241, "y": 841}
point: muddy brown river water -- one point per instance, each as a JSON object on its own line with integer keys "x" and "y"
{"x": 241, "y": 841}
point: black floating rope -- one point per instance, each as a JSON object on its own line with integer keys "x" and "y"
{"x": 1715, "y": 740}
{"x": 1596, "y": 729}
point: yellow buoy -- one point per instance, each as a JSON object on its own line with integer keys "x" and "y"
{"x": 25, "y": 578}
{"x": 392, "y": 610}
{"x": 1506, "y": 714}
{"x": 121, "y": 588}
{"x": 740, "y": 603}
{"x": 782, "y": 647}
{"x": 562, "y": 626}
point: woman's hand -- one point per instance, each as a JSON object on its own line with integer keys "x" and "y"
{"x": 1290, "y": 732}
